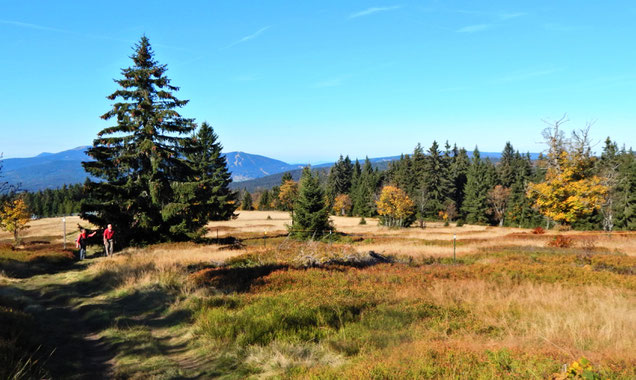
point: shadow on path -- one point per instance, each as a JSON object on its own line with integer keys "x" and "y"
{"x": 70, "y": 322}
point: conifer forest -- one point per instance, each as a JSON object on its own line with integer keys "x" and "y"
{"x": 443, "y": 263}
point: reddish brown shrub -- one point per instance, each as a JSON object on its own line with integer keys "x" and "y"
{"x": 538, "y": 231}
{"x": 561, "y": 241}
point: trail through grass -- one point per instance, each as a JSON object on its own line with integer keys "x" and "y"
{"x": 247, "y": 309}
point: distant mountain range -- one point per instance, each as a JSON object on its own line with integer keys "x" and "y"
{"x": 382, "y": 163}
{"x": 53, "y": 170}
{"x": 245, "y": 166}
{"x": 250, "y": 171}
{"x": 46, "y": 170}
{"x": 267, "y": 182}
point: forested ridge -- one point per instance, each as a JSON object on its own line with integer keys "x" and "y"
{"x": 444, "y": 183}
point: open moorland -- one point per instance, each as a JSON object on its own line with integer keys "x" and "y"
{"x": 366, "y": 302}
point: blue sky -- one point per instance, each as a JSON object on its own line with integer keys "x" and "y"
{"x": 306, "y": 81}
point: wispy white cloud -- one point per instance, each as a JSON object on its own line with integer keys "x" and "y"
{"x": 510, "y": 15}
{"x": 501, "y": 15}
{"x": 250, "y": 37}
{"x": 32, "y": 26}
{"x": 372, "y": 10}
{"x": 474, "y": 28}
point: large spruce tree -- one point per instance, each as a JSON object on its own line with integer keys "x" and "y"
{"x": 340, "y": 178}
{"x": 311, "y": 213}
{"x": 507, "y": 165}
{"x": 147, "y": 184}
{"x": 436, "y": 180}
{"x": 247, "y": 203}
{"x": 625, "y": 191}
{"x": 475, "y": 204}
{"x": 364, "y": 196}
{"x": 457, "y": 173}
{"x": 400, "y": 173}
{"x": 214, "y": 199}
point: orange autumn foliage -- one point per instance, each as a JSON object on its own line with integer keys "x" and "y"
{"x": 342, "y": 205}
{"x": 288, "y": 194}
{"x": 395, "y": 207}
{"x": 567, "y": 195}
{"x": 14, "y": 217}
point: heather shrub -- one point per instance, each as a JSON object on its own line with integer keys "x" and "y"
{"x": 561, "y": 241}
{"x": 538, "y": 231}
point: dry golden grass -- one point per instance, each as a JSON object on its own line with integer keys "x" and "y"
{"x": 49, "y": 229}
{"x": 163, "y": 263}
{"x": 252, "y": 221}
{"x": 596, "y": 322}
{"x": 536, "y": 302}
{"x": 433, "y": 240}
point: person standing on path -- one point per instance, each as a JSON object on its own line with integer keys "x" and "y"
{"x": 109, "y": 233}
{"x": 81, "y": 242}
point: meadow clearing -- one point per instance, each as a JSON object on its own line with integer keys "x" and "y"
{"x": 250, "y": 302}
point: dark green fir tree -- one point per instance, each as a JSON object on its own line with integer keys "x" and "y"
{"x": 214, "y": 200}
{"x": 147, "y": 185}
{"x": 436, "y": 181}
{"x": 340, "y": 178}
{"x": 264, "y": 201}
{"x": 507, "y": 165}
{"x": 400, "y": 174}
{"x": 311, "y": 213}
{"x": 457, "y": 173}
{"x": 364, "y": 197}
{"x": 625, "y": 192}
{"x": 475, "y": 205}
{"x": 247, "y": 202}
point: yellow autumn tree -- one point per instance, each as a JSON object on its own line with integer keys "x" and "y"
{"x": 288, "y": 195}
{"x": 342, "y": 205}
{"x": 395, "y": 207}
{"x": 570, "y": 191}
{"x": 14, "y": 216}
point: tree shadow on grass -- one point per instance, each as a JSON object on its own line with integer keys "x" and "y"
{"x": 36, "y": 266}
{"x": 240, "y": 279}
{"x": 72, "y": 321}
{"x": 37, "y": 258}
{"x": 65, "y": 345}
{"x": 234, "y": 279}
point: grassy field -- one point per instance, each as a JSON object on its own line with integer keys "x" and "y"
{"x": 253, "y": 303}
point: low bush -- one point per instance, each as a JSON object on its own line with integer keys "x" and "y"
{"x": 581, "y": 369}
{"x": 561, "y": 241}
{"x": 538, "y": 231}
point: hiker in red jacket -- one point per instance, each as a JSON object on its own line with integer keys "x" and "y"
{"x": 109, "y": 233}
{"x": 81, "y": 242}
